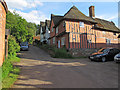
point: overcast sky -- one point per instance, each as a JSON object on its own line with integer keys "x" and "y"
{"x": 36, "y": 11}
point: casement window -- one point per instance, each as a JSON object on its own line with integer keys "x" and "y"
{"x": 103, "y": 32}
{"x": 52, "y": 29}
{"x": 56, "y": 30}
{"x": 114, "y": 34}
{"x": 89, "y": 41}
{"x": 54, "y": 40}
{"x": 81, "y": 24}
{"x": 63, "y": 41}
{"x": 64, "y": 24}
{"x": 108, "y": 41}
{"x": 74, "y": 38}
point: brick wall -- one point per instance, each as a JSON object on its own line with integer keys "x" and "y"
{"x": 66, "y": 36}
{"x": 2, "y": 33}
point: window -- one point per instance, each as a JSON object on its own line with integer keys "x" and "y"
{"x": 54, "y": 40}
{"x": 103, "y": 32}
{"x": 89, "y": 41}
{"x": 64, "y": 24}
{"x": 48, "y": 31}
{"x": 63, "y": 41}
{"x": 52, "y": 29}
{"x": 56, "y": 29}
{"x": 114, "y": 34}
{"x": 74, "y": 38}
{"x": 108, "y": 41}
{"x": 81, "y": 24}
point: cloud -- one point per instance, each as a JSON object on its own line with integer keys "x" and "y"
{"x": 108, "y": 17}
{"x": 33, "y": 16}
{"x": 23, "y": 4}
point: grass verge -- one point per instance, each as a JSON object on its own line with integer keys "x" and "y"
{"x": 9, "y": 72}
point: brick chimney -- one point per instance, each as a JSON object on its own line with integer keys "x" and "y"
{"x": 92, "y": 11}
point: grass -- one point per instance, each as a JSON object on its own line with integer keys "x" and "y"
{"x": 9, "y": 72}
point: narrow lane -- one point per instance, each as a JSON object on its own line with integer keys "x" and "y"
{"x": 39, "y": 70}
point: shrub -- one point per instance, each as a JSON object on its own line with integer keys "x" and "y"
{"x": 55, "y": 52}
{"x": 13, "y": 47}
{"x": 61, "y": 53}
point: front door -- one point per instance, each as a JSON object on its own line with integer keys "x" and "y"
{"x": 59, "y": 44}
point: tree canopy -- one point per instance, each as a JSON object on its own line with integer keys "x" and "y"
{"x": 20, "y": 28}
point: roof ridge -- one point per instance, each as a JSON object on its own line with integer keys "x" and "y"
{"x": 105, "y": 20}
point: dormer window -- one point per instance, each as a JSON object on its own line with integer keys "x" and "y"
{"x": 81, "y": 24}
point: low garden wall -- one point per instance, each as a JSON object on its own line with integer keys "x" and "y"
{"x": 81, "y": 52}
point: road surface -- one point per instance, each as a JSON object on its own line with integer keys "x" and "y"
{"x": 39, "y": 70}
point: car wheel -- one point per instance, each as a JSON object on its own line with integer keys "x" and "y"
{"x": 103, "y": 59}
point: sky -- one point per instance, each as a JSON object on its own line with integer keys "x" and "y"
{"x": 39, "y": 10}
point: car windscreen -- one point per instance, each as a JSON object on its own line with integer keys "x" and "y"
{"x": 24, "y": 44}
{"x": 101, "y": 50}
{"x": 106, "y": 50}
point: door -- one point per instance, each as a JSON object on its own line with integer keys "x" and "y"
{"x": 59, "y": 44}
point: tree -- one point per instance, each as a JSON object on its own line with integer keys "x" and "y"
{"x": 20, "y": 28}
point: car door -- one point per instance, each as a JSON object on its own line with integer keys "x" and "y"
{"x": 111, "y": 54}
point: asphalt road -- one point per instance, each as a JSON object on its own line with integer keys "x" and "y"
{"x": 39, "y": 70}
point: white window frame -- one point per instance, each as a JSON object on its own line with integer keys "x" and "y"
{"x": 103, "y": 32}
{"x": 81, "y": 24}
{"x": 89, "y": 41}
{"x": 108, "y": 41}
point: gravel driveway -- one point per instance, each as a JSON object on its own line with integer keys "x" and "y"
{"x": 39, "y": 70}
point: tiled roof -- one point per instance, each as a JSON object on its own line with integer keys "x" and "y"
{"x": 74, "y": 13}
{"x": 56, "y": 18}
{"x": 107, "y": 25}
{"x": 36, "y": 37}
{"x": 42, "y": 23}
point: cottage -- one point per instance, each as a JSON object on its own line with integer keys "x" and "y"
{"x": 3, "y": 11}
{"x": 45, "y": 32}
{"x": 76, "y": 30}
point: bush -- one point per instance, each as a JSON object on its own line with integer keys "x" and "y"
{"x": 61, "y": 53}
{"x": 13, "y": 47}
{"x": 57, "y": 53}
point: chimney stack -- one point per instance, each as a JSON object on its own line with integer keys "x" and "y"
{"x": 92, "y": 11}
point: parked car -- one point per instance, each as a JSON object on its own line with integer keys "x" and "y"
{"x": 24, "y": 46}
{"x": 117, "y": 58}
{"x": 104, "y": 54}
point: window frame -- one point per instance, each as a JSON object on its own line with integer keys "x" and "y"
{"x": 81, "y": 24}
